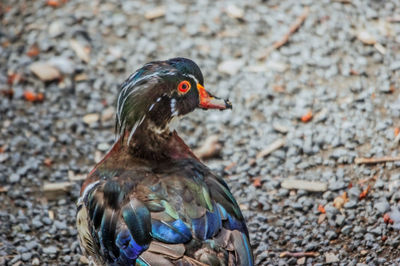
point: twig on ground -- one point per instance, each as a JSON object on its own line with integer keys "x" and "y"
{"x": 210, "y": 148}
{"x": 380, "y": 48}
{"x": 298, "y": 254}
{"x": 293, "y": 28}
{"x": 53, "y": 191}
{"x": 376, "y": 160}
{"x": 394, "y": 19}
{"x": 277, "y": 144}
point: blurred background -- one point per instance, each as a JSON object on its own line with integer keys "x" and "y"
{"x": 315, "y": 90}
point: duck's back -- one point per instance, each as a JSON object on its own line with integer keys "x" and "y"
{"x": 177, "y": 213}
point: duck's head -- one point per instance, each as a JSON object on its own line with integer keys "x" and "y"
{"x": 160, "y": 91}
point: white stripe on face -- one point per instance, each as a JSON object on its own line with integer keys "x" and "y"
{"x": 192, "y": 77}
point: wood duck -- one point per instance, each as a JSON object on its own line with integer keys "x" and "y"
{"x": 150, "y": 201}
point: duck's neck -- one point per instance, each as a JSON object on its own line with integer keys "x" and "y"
{"x": 156, "y": 144}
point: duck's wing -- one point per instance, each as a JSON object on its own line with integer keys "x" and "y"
{"x": 182, "y": 215}
{"x": 197, "y": 208}
{"x": 114, "y": 227}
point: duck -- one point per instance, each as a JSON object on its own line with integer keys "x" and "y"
{"x": 150, "y": 200}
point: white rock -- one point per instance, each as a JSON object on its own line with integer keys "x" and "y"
{"x": 83, "y": 52}
{"x": 304, "y": 185}
{"x": 35, "y": 261}
{"x": 366, "y": 37}
{"x": 103, "y": 146}
{"x": 155, "y": 13}
{"x": 56, "y": 28}
{"x": 91, "y": 118}
{"x": 234, "y": 12}
{"x": 230, "y": 67}
{"x": 331, "y": 258}
{"x": 107, "y": 114}
{"x": 301, "y": 261}
{"x": 45, "y": 71}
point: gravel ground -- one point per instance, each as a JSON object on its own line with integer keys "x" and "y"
{"x": 61, "y": 62}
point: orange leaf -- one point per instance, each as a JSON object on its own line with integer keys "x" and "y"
{"x": 53, "y": 3}
{"x": 321, "y": 208}
{"x": 279, "y": 88}
{"x": 307, "y": 117}
{"x": 387, "y": 219}
{"x": 257, "y": 182}
{"x": 396, "y": 131}
{"x": 33, "y": 97}
{"x": 354, "y": 72}
{"x": 229, "y": 167}
{"x": 48, "y": 162}
{"x": 30, "y": 96}
{"x": 5, "y": 44}
{"x": 33, "y": 51}
{"x": 365, "y": 192}
{"x": 39, "y": 97}
{"x": 13, "y": 78}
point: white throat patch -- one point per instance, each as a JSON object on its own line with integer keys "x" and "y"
{"x": 173, "y": 124}
{"x": 174, "y": 112}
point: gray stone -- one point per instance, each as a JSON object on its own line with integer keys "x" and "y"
{"x": 26, "y": 256}
{"x": 50, "y": 250}
{"x": 346, "y": 229}
{"x": 382, "y": 206}
{"x": 354, "y": 193}
{"x": 331, "y": 235}
{"x": 350, "y": 204}
{"x": 14, "y": 178}
{"x": 376, "y": 231}
{"x": 36, "y": 223}
{"x": 395, "y": 66}
{"x": 336, "y": 185}
{"x": 358, "y": 229}
{"x": 339, "y": 220}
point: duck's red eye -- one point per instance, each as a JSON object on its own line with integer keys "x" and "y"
{"x": 184, "y": 86}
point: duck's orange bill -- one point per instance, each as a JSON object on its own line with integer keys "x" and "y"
{"x": 208, "y": 101}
